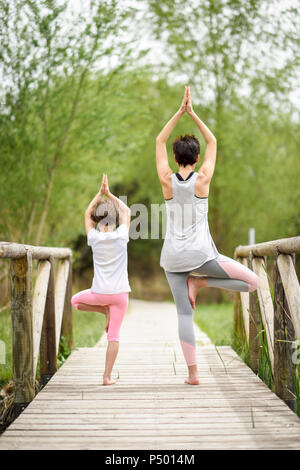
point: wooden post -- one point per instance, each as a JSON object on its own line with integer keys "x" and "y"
{"x": 66, "y": 328}
{"x": 61, "y": 282}
{"x": 48, "y": 365}
{"x": 265, "y": 303}
{"x": 22, "y": 332}
{"x": 254, "y": 328}
{"x": 284, "y": 334}
{"x": 38, "y": 306}
{"x": 245, "y": 299}
{"x": 238, "y": 320}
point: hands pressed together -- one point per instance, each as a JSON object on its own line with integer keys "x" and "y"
{"x": 104, "y": 189}
{"x": 186, "y": 105}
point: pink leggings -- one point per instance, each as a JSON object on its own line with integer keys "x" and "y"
{"x": 117, "y": 307}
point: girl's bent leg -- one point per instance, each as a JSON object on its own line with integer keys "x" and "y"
{"x": 89, "y": 299}
{"x": 93, "y": 308}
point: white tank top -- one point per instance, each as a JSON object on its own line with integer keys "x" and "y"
{"x": 188, "y": 243}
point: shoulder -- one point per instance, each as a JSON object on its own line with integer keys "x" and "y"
{"x": 202, "y": 176}
{"x": 202, "y": 183}
{"x": 92, "y": 236}
{"x": 123, "y": 232}
{"x": 166, "y": 177}
{"x": 166, "y": 185}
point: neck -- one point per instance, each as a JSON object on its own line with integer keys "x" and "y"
{"x": 184, "y": 171}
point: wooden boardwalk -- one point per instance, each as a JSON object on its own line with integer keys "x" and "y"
{"x": 150, "y": 407}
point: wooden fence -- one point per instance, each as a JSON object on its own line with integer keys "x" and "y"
{"x": 40, "y": 316}
{"x": 272, "y": 314}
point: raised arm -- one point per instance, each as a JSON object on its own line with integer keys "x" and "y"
{"x": 124, "y": 211}
{"x": 162, "y": 164}
{"x": 207, "y": 168}
{"x": 89, "y": 224}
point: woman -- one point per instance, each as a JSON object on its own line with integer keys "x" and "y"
{"x": 188, "y": 246}
{"x": 110, "y": 288}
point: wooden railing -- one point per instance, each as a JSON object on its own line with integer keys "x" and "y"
{"x": 40, "y": 316}
{"x": 277, "y": 314}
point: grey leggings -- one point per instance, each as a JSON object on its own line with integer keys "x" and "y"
{"x": 222, "y": 272}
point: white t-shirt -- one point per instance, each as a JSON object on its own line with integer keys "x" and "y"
{"x": 110, "y": 260}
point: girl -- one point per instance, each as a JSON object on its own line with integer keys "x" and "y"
{"x": 188, "y": 246}
{"x": 110, "y": 288}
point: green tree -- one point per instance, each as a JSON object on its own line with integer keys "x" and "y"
{"x": 45, "y": 67}
{"x": 228, "y": 49}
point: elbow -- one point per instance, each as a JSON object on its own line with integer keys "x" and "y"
{"x": 159, "y": 140}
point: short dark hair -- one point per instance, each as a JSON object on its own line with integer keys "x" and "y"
{"x": 106, "y": 213}
{"x": 186, "y": 149}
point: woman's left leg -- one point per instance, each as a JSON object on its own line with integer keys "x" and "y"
{"x": 225, "y": 273}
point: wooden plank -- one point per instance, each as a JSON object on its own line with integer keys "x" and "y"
{"x": 22, "y": 333}
{"x": 291, "y": 287}
{"x": 284, "y": 335}
{"x": 60, "y": 295}
{"x": 265, "y": 304}
{"x": 17, "y": 250}
{"x": 38, "y": 307}
{"x": 150, "y": 407}
{"x": 48, "y": 364}
{"x": 271, "y": 248}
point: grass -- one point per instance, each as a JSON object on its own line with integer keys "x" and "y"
{"x": 88, "y": 327}
{"x": 6, "y": 337}
{"x": 216, "y": 320}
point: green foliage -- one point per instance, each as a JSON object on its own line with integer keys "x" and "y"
{"x": 6, "y": 337}
{"x": 88, "y": 327}
{"x": 66, "y": 119}
{"x": 64, "y": 351}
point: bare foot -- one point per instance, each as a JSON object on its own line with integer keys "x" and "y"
{"x": 103, "y": 309}
{"x": 192, "y": 380}
{"x": 194, "y": 283}
{"x": 108, "y": 381}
